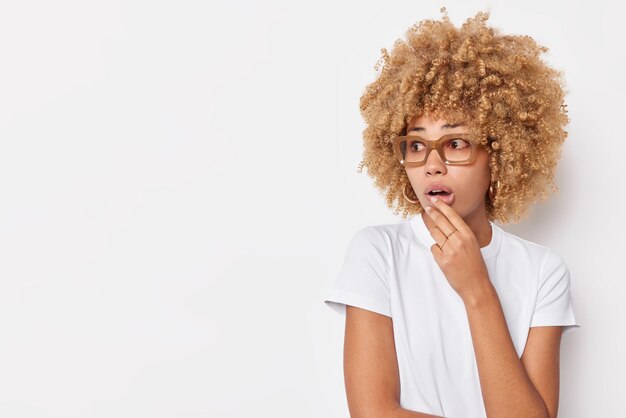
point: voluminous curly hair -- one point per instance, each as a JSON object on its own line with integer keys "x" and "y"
{"x": 510, "y": 99}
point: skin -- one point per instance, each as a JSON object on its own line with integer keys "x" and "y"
{"x": 469, "y": 182}
{"x": 460, "y": 230}
{"x": 512, "y": 387}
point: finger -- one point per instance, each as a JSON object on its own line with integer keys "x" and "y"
{"x": 438, "y": 235}
{"x": 440, "y": 220}
{"x": 453, "y": 218}
{"x": 436, "y": 251}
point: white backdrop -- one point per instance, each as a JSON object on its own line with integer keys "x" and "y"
{"x": 178, "y": 187}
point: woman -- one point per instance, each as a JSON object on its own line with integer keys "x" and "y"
{"x": 447, "y": 314}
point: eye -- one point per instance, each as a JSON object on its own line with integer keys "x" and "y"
{"x": 416, "y": 146}
{"x": 458, "y": 143}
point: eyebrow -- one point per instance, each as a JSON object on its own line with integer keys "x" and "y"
{"x": 444, "y": 126}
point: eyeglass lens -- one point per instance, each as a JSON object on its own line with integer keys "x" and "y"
{"x": 454, "y": 149}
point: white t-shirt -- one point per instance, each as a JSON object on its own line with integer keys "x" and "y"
{"x": 389, "y": 269}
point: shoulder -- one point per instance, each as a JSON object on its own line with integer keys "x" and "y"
{"x": 381, "y": 242}
{"x": 386, "y": 237}
{"x": 539, "y": 253}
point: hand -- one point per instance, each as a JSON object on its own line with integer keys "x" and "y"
{"x": 458, "y": 255}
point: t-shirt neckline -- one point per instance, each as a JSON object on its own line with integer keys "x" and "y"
{"x": 490, "y": 250}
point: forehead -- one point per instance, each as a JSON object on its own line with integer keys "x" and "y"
{"x": 435, "y": 126}
{"x": 434, "y": 121}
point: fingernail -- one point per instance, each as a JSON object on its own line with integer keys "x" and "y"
{"x": 434, "y": 199}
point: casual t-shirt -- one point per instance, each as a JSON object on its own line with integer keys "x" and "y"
{"x": 389, "y": 269}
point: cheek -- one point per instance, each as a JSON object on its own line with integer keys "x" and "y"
{"x": 483, "y": 171}
{"x": 486, "y": 171}
{"x": 475, "y": 181}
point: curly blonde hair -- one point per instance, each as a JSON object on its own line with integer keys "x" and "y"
{"x": 510, "y": 99}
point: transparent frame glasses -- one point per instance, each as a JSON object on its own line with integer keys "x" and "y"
{"x": 434, "y": 145}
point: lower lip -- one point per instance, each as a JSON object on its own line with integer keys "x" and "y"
{"x": 448, "y": 199}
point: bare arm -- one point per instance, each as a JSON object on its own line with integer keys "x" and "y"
{"x": 406, "y": 413}
{"x": 508, "y": 389}
{"x": 371, "y": 367}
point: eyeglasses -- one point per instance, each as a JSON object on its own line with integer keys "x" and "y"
{"x": 454, "y": 149}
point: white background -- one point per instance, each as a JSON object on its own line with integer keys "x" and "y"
{"x": 178, "y": 187}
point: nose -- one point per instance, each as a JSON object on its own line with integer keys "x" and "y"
{"x": 434, "y": 164}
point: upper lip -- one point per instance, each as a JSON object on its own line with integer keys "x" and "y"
{"x": 437, "y": 186}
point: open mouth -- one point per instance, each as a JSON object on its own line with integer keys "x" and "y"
{"x": 446, "y": 197}
{"x": 439, "y": 193}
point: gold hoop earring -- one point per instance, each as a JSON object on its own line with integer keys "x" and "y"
{"x": 494, "y": 190}
{"x": 404, "y": 193}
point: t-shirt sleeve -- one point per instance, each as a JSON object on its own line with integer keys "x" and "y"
{"x": 555, "y": 304}
{"x": 363, "y": 280}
